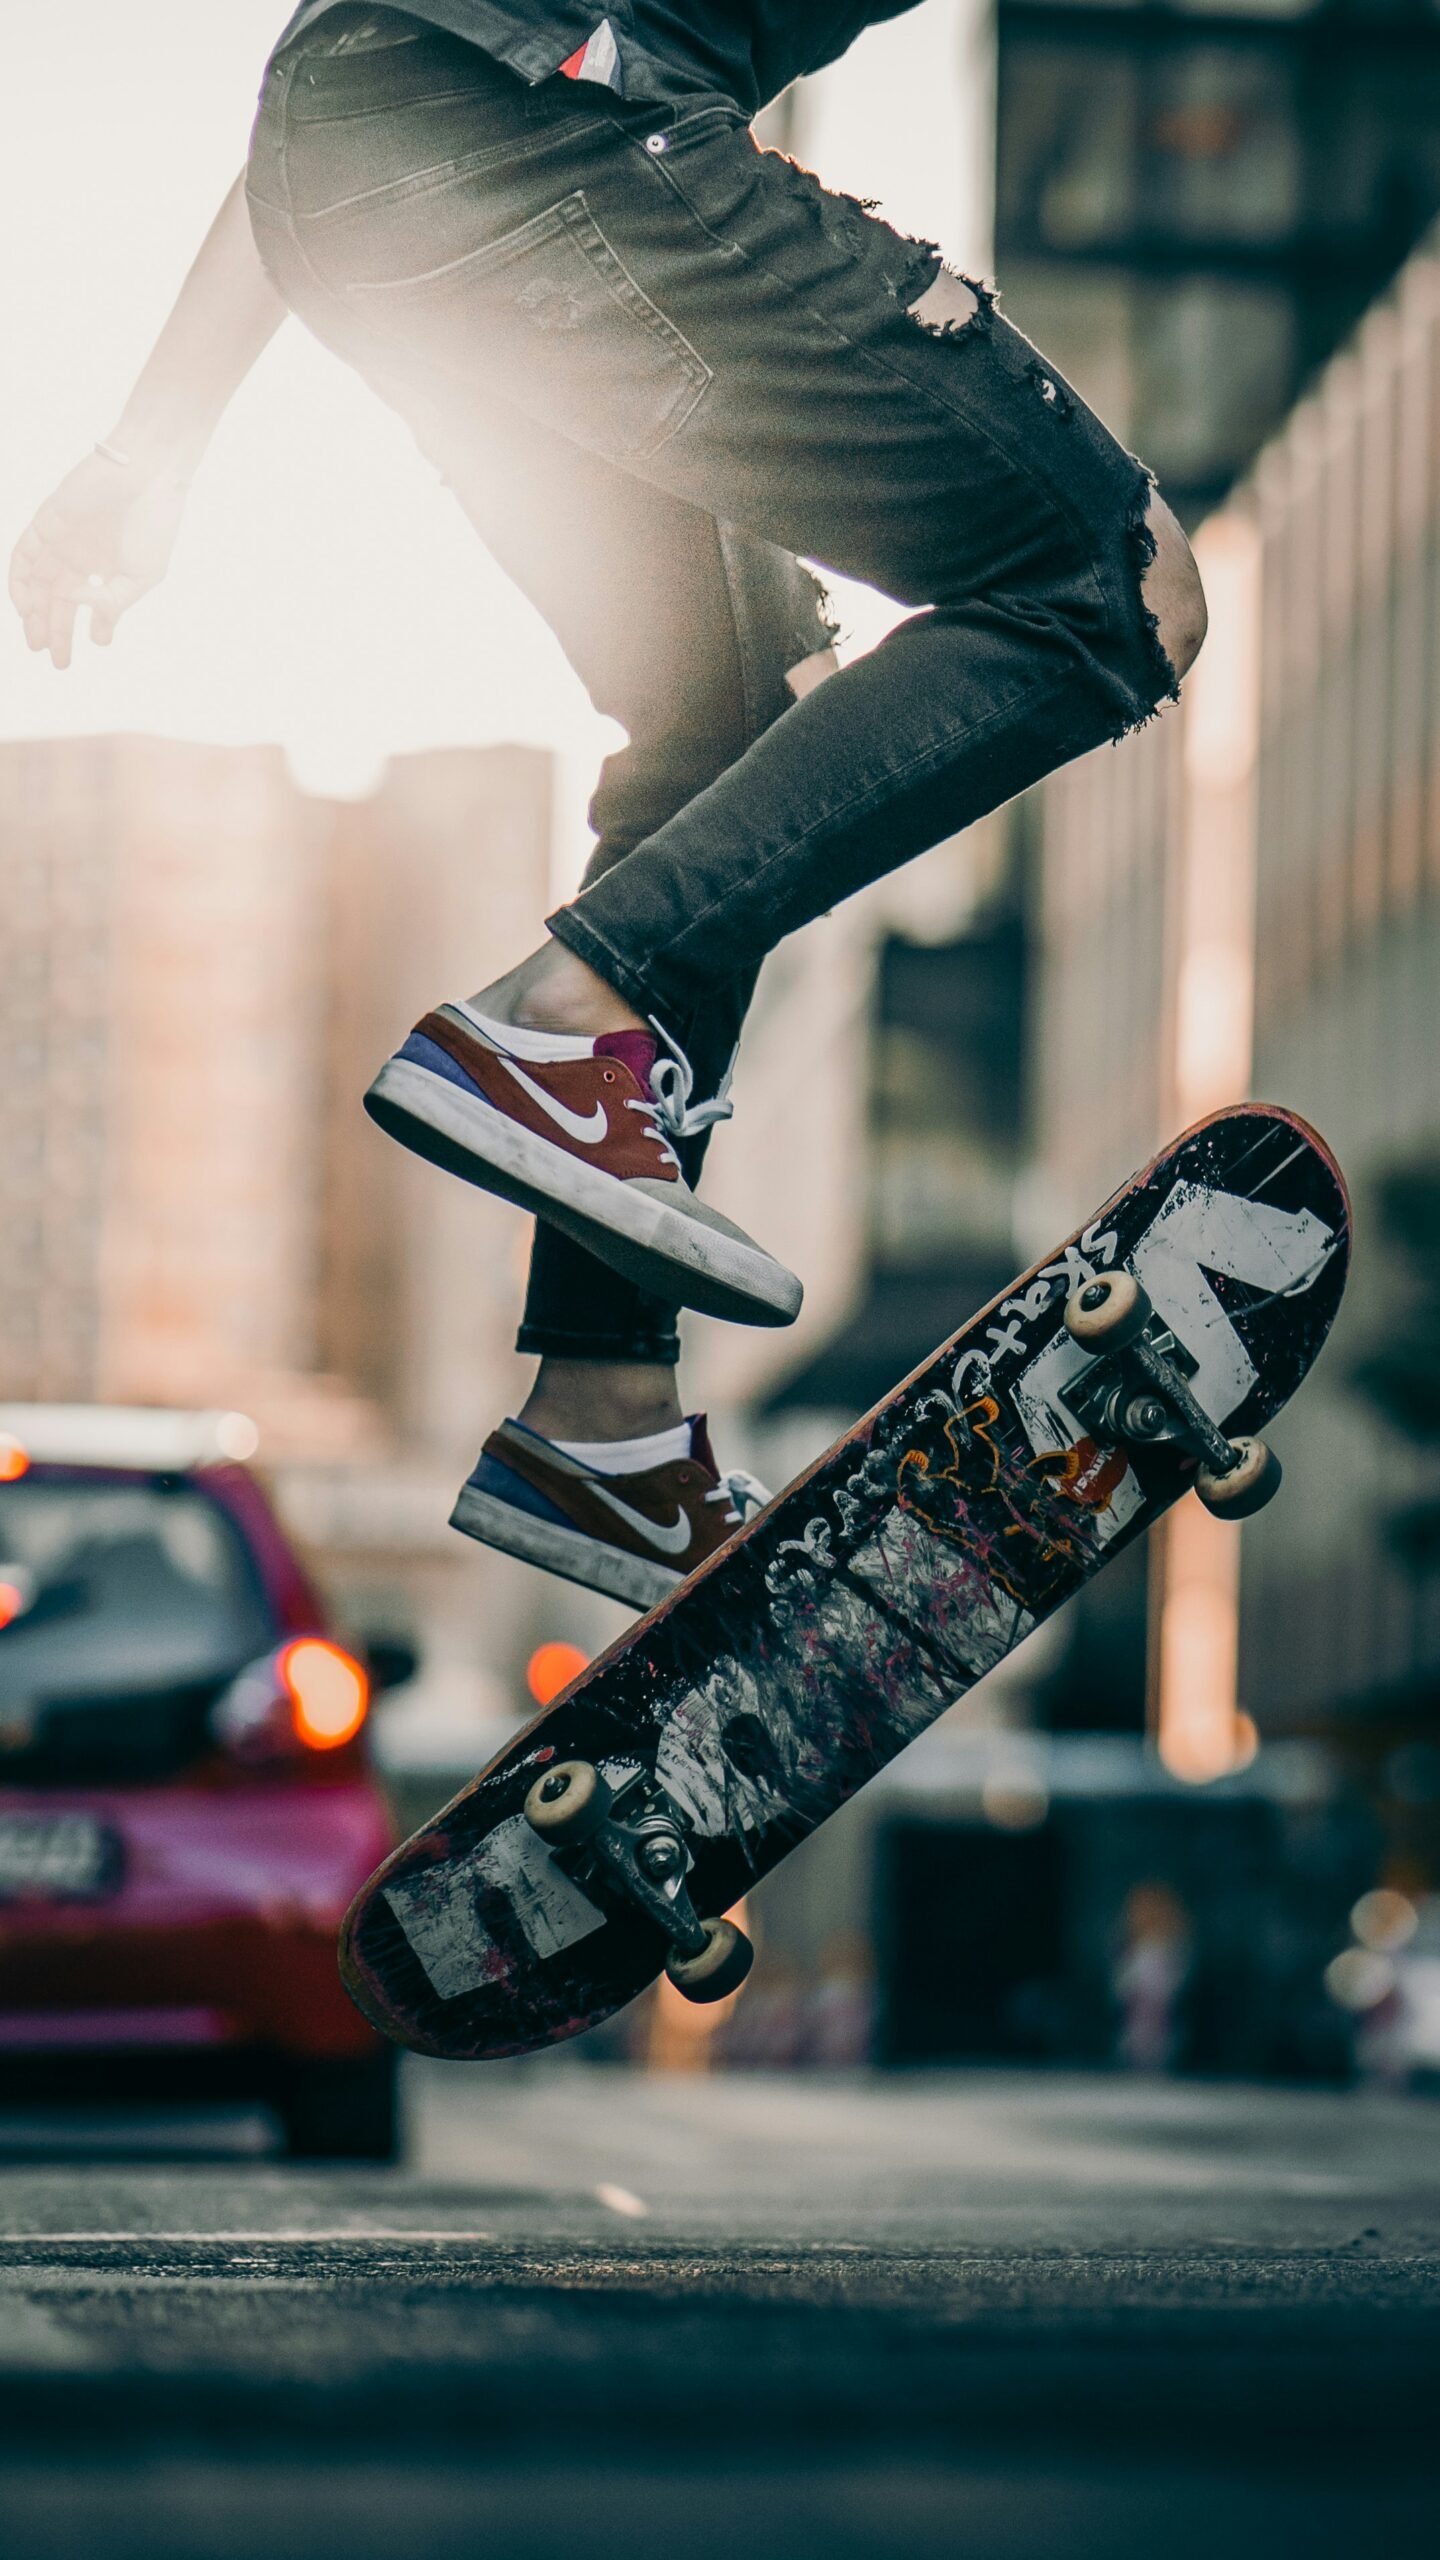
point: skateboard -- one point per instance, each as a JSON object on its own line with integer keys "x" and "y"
{"x": 608, "y": 1839}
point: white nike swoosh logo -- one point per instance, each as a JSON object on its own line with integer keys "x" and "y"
{"x": 589, "y": 1130}
{"x": 671, "y": 1542}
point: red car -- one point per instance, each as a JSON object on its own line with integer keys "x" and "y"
{"x": 186, "y": 1806}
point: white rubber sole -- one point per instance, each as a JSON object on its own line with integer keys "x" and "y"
{"x": 657, "y": 1246}
{"x": 567, "y": 1552}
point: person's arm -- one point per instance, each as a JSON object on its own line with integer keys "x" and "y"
{"x": 104, "y": 536}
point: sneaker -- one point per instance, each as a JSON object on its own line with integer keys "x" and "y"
{"x": 634, "y": 1535}
{"x": 582, "y": 1132}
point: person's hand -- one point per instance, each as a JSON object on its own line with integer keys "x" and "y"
{"x": 100, "y": 541}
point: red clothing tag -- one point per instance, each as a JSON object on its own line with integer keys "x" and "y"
{"x": 597, "y": 59}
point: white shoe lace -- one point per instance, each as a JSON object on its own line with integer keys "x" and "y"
{"x": 672, "y": 1114}
{"x": 739, "y": 1489}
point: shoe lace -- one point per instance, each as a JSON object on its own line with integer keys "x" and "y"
{"x": 671, "y": 1114}
{"x": 739, "y": 1489}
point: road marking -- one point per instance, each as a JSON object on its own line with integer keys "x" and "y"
{"x": 620, "y": 2200}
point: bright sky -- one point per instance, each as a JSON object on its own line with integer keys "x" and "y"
{"x": 326, "y": 591}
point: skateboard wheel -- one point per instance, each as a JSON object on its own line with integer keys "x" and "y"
{"x": 1246, "y": 1488}
{"x": 720, "y": 1968}
{"x": 567, "y": 1803}
{"x": 1106, "y": 1313}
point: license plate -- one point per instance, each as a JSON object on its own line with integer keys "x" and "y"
{"x": 57, "y": 1857}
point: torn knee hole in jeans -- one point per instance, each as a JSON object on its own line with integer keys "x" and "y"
{"x": 812, "y": 641}
{"x": 905, "y": 267}
{"x": 807, "y": 672}
{"x": 1163, "y": 684}
{"x": 950, "y": 305}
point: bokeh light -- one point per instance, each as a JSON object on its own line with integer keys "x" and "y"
{"x": 1384, "y": 1920}
{"x": 328, "y": 1690}
{"x": 551, "y": 1667}
{"x": 1358, "y": 1979}
{"x": 1014, "y": 1800}
{"x": 236, "y": 1436}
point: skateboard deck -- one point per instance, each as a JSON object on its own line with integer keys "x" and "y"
{"x": 725, "y": 1726}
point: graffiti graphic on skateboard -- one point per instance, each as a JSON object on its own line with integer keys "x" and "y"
{"x": 1140, "y": 1360}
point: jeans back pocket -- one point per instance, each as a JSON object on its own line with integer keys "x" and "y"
{"x": 553, "y": 317}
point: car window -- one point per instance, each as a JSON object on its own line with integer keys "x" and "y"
{"x": 122, "y": 1588}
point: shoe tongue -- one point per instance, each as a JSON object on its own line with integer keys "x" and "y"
{"x": 635, "y": 1050}
{"x": 700, "y": 1448}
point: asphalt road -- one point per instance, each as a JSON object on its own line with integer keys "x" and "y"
{"x": 601, "y": 2315}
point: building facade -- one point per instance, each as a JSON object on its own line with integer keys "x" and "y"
{"x": 1195, "y": 204}
{"x": 163, "y": 1050}
{"x": 205, "y": 967}
{"x": 1246, "y": 898}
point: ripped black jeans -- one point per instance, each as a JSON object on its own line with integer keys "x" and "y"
{"x": 656, "y": 364}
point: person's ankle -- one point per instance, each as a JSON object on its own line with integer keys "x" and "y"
{"x": 555, "y": 990}
{"x": 602, "y": 1400}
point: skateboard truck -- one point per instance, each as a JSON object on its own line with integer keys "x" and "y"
{"x": 630, "y": 1843}
{"x": 1136, "y": 1392}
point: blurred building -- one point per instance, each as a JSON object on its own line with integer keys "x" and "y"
{"x": 1346, "y": 506}
{"x": 163, "y": 1035}
{"x": 1195, "y": 203}
{"x": 204, "y": 967}
{"x": 1244, "y": 898}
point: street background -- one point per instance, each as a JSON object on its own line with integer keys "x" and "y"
{"x": 1156, "y": 1911}
{"x": 1001, "y": 2316}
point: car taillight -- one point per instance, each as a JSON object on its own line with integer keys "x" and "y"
{"x": 14, "y": 1460}
{"x": 309, "y": 1695}
{"x": 329, "y": 1692}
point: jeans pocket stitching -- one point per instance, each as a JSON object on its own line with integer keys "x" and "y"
{"x": 573, "y": 217}
{"x": 368, "y": 114}
{"x": 444, "y": 173}
{"x": 687, "y": 132}
{"x": 627, "y": 291}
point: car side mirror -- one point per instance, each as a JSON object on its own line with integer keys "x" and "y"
{"x": 390, "y": 1661}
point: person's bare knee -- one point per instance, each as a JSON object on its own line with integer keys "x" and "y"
{"x": 804, "y": 677}
{"x": 946, "y": 305}
{"x": 1173, "y": 591}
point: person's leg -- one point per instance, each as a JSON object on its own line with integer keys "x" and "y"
{"x": 554, "y": 988}
{"x": 1064, "y": 600}
{"x": 711, "y": 319}
{"x": 694, "y": 638}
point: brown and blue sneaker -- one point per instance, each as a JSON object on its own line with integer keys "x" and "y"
{"x": 582, "y": 1131}
{"x": 633, "y": 1533}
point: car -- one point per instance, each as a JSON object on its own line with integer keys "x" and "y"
{"x": 186, "y": 1802}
